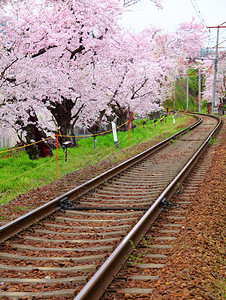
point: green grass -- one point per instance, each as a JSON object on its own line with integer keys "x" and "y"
{"x": 38, "y": 174}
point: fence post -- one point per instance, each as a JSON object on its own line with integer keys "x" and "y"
{"x": 130, "y": 122}
{"x": 128, "y": 134}
{"x": 56, "y": 155}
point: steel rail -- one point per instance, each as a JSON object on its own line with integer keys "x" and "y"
{"x": 97, "y": 285}
{"x": 14, "y": 227}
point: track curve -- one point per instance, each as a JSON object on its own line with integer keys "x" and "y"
{"x": 55, "y": 257}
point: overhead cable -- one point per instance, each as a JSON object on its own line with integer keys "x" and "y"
{"x": 197, "y": 10}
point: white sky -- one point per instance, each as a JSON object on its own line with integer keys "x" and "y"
{"x": 174, "y": 12}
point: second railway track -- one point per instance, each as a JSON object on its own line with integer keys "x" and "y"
{"x": 56, "y": 256}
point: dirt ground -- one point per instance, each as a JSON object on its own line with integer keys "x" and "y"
{"x": 39, "y": 196}
{"x": 196, "y": 267}
{"x": 194, "y": 271}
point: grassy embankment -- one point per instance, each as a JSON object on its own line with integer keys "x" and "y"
{"x": 14, "y": 164}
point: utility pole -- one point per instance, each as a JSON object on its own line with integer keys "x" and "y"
{"x": 215, "y": 73}
{"x": 200, "y": 89}
{"x": 187, "y": 90}
{"x": 215, "y": 65}
{"x": 174, "y": 98}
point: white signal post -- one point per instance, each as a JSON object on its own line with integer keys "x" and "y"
{"x": 114, "y": 134}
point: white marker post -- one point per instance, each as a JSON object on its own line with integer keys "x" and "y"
{"x": 114, "y": 134}
{"x": 173, "y": 120}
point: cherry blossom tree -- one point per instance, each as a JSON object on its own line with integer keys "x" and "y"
{"x": 47, "y": 48}
{"x": 180, "y": 48}
{"x": 208, "y": 72}
{"x": 70, "y": 62}
{"x": 62, "y": 41}
{"x": 138, "y": 86}
{"x": 127, "y": 79}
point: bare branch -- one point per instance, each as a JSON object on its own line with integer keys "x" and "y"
{"x": 78, "y": 50}
{"x": 130, "y": 2}
{"x": 137, "y": 90}
{"x": 42, "y": 51}
{"x": 76, "y": 115}
{"x": 6, "y": 68}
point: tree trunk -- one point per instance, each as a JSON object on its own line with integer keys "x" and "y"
{"x": 122, "y": 114}
{"x": 34, "y": 134}
{"x": 62, "y": 113}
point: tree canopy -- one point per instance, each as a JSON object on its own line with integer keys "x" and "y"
{"x": 71, "y": 63}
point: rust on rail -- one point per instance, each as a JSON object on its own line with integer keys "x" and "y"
{"x": 97, "y": 285}
{"x": 39, "y": 213}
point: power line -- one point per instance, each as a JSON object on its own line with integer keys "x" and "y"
{"x": 218, "y": 27}
{"x": 218, "y": 44}
{"x": 222, "y": 32}
{"x": 197, "y": 10}
{"x": 200, "y": 14}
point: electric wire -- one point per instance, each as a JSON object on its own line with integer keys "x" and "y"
{"x": 197, "y": 10}
{"x": 222, "y": 32}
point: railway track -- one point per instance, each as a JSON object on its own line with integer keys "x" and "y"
{"x": 83, "y": 237}
{"x": 144, "y": 266}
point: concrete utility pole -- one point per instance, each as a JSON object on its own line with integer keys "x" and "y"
{"x": 215, "y": 65}
{"x": 174, "y": 96}
{"x": 187, "y": 90}
{"x": 215, "y": 73}
{"x": 200, "y": 90}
